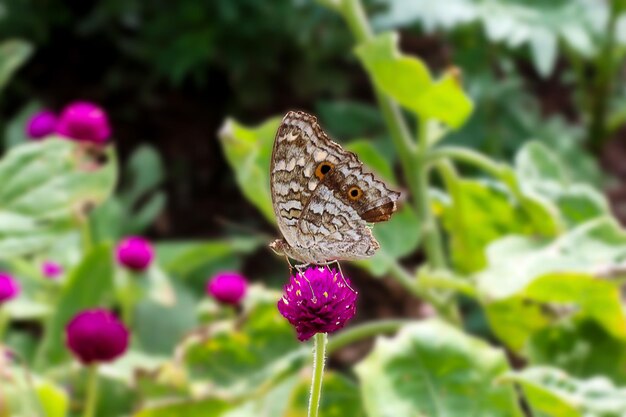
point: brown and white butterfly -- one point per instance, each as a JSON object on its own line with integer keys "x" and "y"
{"x": 322, "y": 198}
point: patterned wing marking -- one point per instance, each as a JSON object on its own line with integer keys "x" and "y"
{"x": 301, "y": 151}
{"x": 330, "y": 229}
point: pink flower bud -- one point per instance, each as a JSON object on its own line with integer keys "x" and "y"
{"x": 9, "y": 287}
{"x": 135, "y": 253}
{"x": 228, "y": 287}
{"x": 96, "y": 336}
{"x": 41, "y": 124}
{"x": 84, "y": 121}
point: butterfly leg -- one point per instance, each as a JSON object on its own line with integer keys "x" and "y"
{"x": 327, "y": 264}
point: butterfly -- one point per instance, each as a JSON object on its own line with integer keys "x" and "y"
{"x": 322, "y": 198}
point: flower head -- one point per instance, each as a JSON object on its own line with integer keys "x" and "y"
{"x": 41, "y": 124}
{"x": 96, "y": 336}
{"x": 9, "y": 287}
{"x": 84, "y": 121}
{"x": 228, "y": 287}
{"x": 135, "y": 253}
{"x": 51, "y": 269}
{"x": 317, "y": 301}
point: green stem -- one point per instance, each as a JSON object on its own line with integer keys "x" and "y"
{"x": 319, "y": 357}
{"x": 92, "y": 392}
{"x": 605, "y": 69}
{"x": 4, "y": 323}
{"x": 363, "y": 331}
{"x": 468, "y": 156}
{"x": 430, "y": 229}
{"x": 85, "y": 230}
{"x": 354, "y": 14}
{"x": 410, "y": 156}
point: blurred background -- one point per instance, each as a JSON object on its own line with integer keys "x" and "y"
{"x": 169, "y": 75}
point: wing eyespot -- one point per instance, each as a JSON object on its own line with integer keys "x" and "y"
{"x": 322, "y": 169}
{"x": 354, "y": 193}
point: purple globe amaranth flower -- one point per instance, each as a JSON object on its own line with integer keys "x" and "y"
{"x": 228, "y": 287}
{"x": 135, "y": 253}
{"x": 96, "y": 336}
{"x": 41, "y": 124}
{"x": 51, "y": 269}
{"x": 84, "y": 121}
{"x": 317, "y": 301}
{"x": 9, "y": 287}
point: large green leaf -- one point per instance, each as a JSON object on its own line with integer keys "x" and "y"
{"x": 398, "y": 237}
{"x": 248, "y": 151}
{"x": 235, "y": 358}
{"x": 44, "y": 187}
{"x": 554, "y": 393}
{"x": 531, "y": 285}
{"x": 408, "y": 81}
{"x": 29, "y": 395}
{"x": 534, "y": 24}
{"x": 195, "y": 261}
{"x": 481, "y": 212}
{"x": 89, "y": 285}
{"x": 433, "y": 369}
{"x": 584, "y": 348}
{"x": 541, "y": 171}
{"x": 13, "y": 54}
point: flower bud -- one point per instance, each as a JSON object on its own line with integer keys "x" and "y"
{"x": 9, "y": 287}
{"x": 96, "y": 336}
{"x": 228, "y": 287}
{"x": 135, "y": 253}
{"x": 51, "y": 269}
{"x": 84, "y": 121}
{"x": 41, "y": 124}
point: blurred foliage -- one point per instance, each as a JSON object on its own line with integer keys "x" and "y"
{"x": 253, "y": 44}
{"x": 528, "y": 240}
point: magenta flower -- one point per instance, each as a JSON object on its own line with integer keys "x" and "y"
{"x": 84, "y": 121}
{"x": 51, "y": 269}
{"x": 227, "y": 287}
{"x": 96, "y": 336}
{"x": 317, "y": 301}
{"x": 9, "y": 287}
{"x": 135, "y": 253}
{"x": 41, "y": 124}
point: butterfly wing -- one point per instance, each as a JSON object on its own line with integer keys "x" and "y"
{"x": 334, "y": 223}
{"x": 301, "y": 157}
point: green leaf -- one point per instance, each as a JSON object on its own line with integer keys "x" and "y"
{"x": 433, "y": 369}
{"x": 531, "y": 285}
{"x": 248, "y": 152}
{"x": 15, "y": 132}
{"x": 44, "y": 186}
{"x": 514, "y": 23}
{"x": 372, "y": 159}
{"x": 540, "y": 171}
{"x": 398, "y": 237}
{"x": 481, "y": 212}
{"x": 13, "y": 54}
{"x": 172, "y": 321}
{"x": 53, "y": 399}
{"x": 555, "y": 393}
{"x": 145, "y": 170}
{"x": 89, "y": 285}
{"x": 258, "y": 350}
{"x": 408, "y": 81}
{"x": 200, "y": 408}
{"x": 193, "y": 262}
